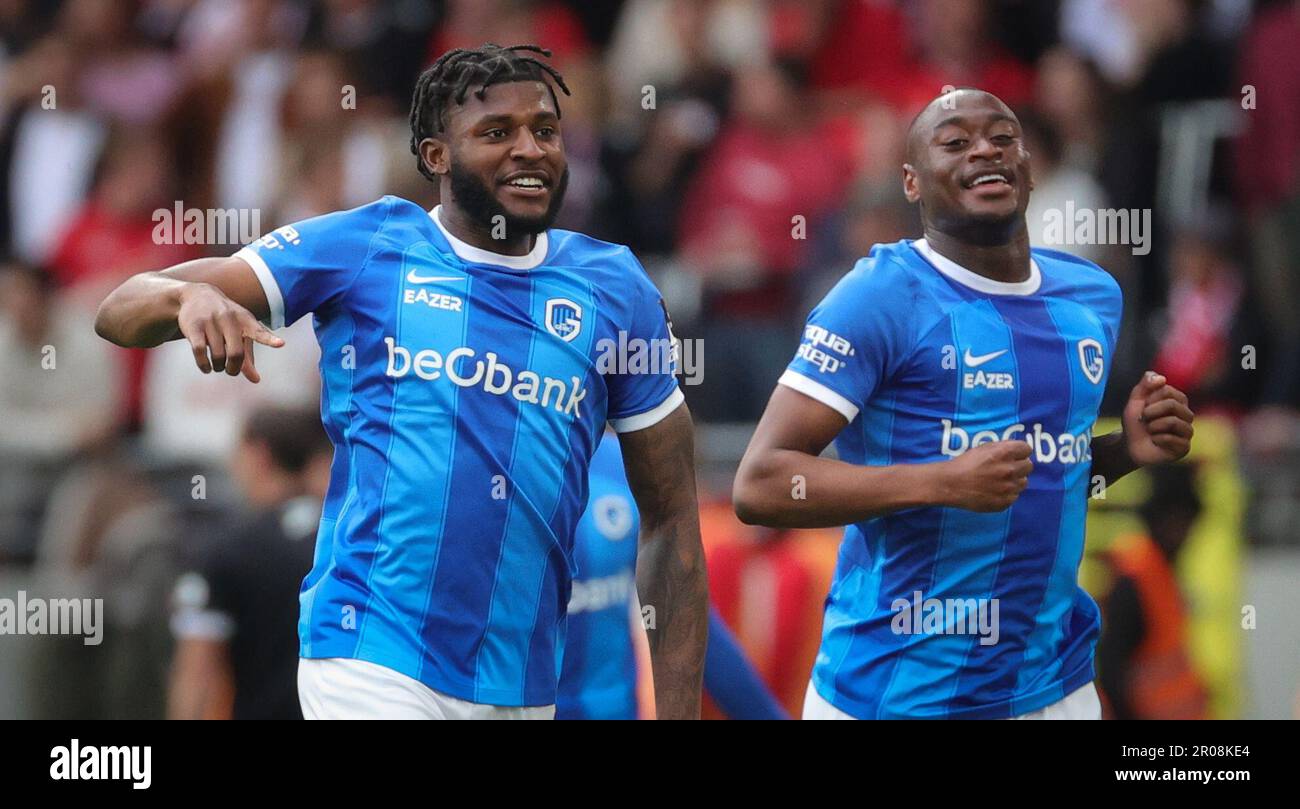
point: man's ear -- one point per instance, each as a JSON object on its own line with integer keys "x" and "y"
{"x": 910, "y": 189}
{"x": 436, "y": 155}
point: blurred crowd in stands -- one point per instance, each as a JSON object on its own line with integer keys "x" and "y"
{"x": 749, "y": 151}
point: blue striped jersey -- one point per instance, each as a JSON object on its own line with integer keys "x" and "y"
{"x": 943, "y": 612}
{"x": 465, "y": 392}
{"x": 598, "y": 675}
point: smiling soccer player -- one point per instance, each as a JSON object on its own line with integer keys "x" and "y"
{"x": 960, "y": 376}
{"x": 464, "y": 429}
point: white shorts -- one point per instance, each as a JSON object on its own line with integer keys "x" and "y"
{"x": 340, "y": 688}
{"x": 1082, "y": 703}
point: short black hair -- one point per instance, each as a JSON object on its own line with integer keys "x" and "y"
{"x": 293, "y": 436}
{"x": 456, "y": 71}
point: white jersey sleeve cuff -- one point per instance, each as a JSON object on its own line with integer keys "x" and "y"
{"x": 650, "y": 417}
{"x": 816, "y": 390}
{"x": 269, "y": 285}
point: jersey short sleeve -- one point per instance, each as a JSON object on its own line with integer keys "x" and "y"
{"x": 854, "y": 338}
{"x": 641, "y": 394}
{"x": 305, "y": 265}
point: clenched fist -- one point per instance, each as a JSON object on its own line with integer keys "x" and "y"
{"x": 1157, "y": 422}
{"x": 987, "y": 478}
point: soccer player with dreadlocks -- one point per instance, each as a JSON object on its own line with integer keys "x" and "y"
{"x": 466, "y": 384}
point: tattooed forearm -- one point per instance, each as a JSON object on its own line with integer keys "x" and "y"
{"x": 671, "y": 580}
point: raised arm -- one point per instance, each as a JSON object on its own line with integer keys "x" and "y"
{"x": 783, "y": 483}
{"x": 671, "y": 580}
{"x": 214, "y": 303}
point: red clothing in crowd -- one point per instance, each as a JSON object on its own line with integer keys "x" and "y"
{"x": 1268, "y": 153}
{"x": 753, "y": 183}
{"x": 551, "y": 25}
{"x": 869, "y": 48}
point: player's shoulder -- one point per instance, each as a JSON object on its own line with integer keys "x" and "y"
{"x": 378, "y": 212}
{"x": 886, "y": 275}
{"x": 1064, "y": 271}
{"x": 593, "y": 256}
{"x": 363, "y": 221}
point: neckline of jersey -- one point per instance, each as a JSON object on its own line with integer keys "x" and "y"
{"x": 974, "y": 280}
{"x": 477, "y": 255}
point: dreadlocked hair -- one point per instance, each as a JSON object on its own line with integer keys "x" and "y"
{"x": 455, "y": 72}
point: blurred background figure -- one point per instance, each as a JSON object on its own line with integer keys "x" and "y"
{"x": 770, "y": 177}
{"x": 1207, "y": 320}
{"x": 1142, "y": 658}
{"x": 1057, "y": 185}
{"x": 58, "y": 401}
{"x": 236, "y": 608}
{"x": 605, "y": 673}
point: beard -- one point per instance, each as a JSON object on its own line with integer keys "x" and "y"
{"x": 482, "y": 206}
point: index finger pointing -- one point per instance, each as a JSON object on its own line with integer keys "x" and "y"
{"x": 258, "y": 332}
{"x": 266, "y": 338}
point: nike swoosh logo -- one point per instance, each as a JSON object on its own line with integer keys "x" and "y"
{"x": 414, "y": 278}
{"x": 976, "y": 362}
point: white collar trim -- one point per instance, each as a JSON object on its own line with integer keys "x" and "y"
{"x": 976, "y": 281}
{"x": 477, "y": 255}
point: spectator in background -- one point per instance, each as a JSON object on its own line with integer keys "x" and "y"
{"x": 236, "y": 609}
{"x": 1267, "y": 162}
{"x": 905, "y": 53}
{"x": 1071, "y": 95}
{"x": 49, "y": 145}
{"x": 681, "y": 48}
{"x": 115, "y": 234}
{"x": 655, "y": 142}
{"x": 58, "y": 400}
{"x": 1142, "y": 661}
{"x": 1057, "y": 186}
{"x": 468, "y": 23}
{"x": 125, "y": 79}
{"x": 852, "y": 48}
{"x": 330, "y": 157}
{"x": 767, "y": 184}
{"x": 384, "y": 41}
{"x": 248, "y": 72}
{"x": 1201, "y": 349}
{"x": 1267, "y": 183}
{"x": 1103, "y": 32}
{"x": 953, "y": 43}
{"x": 1181, "y": 58}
